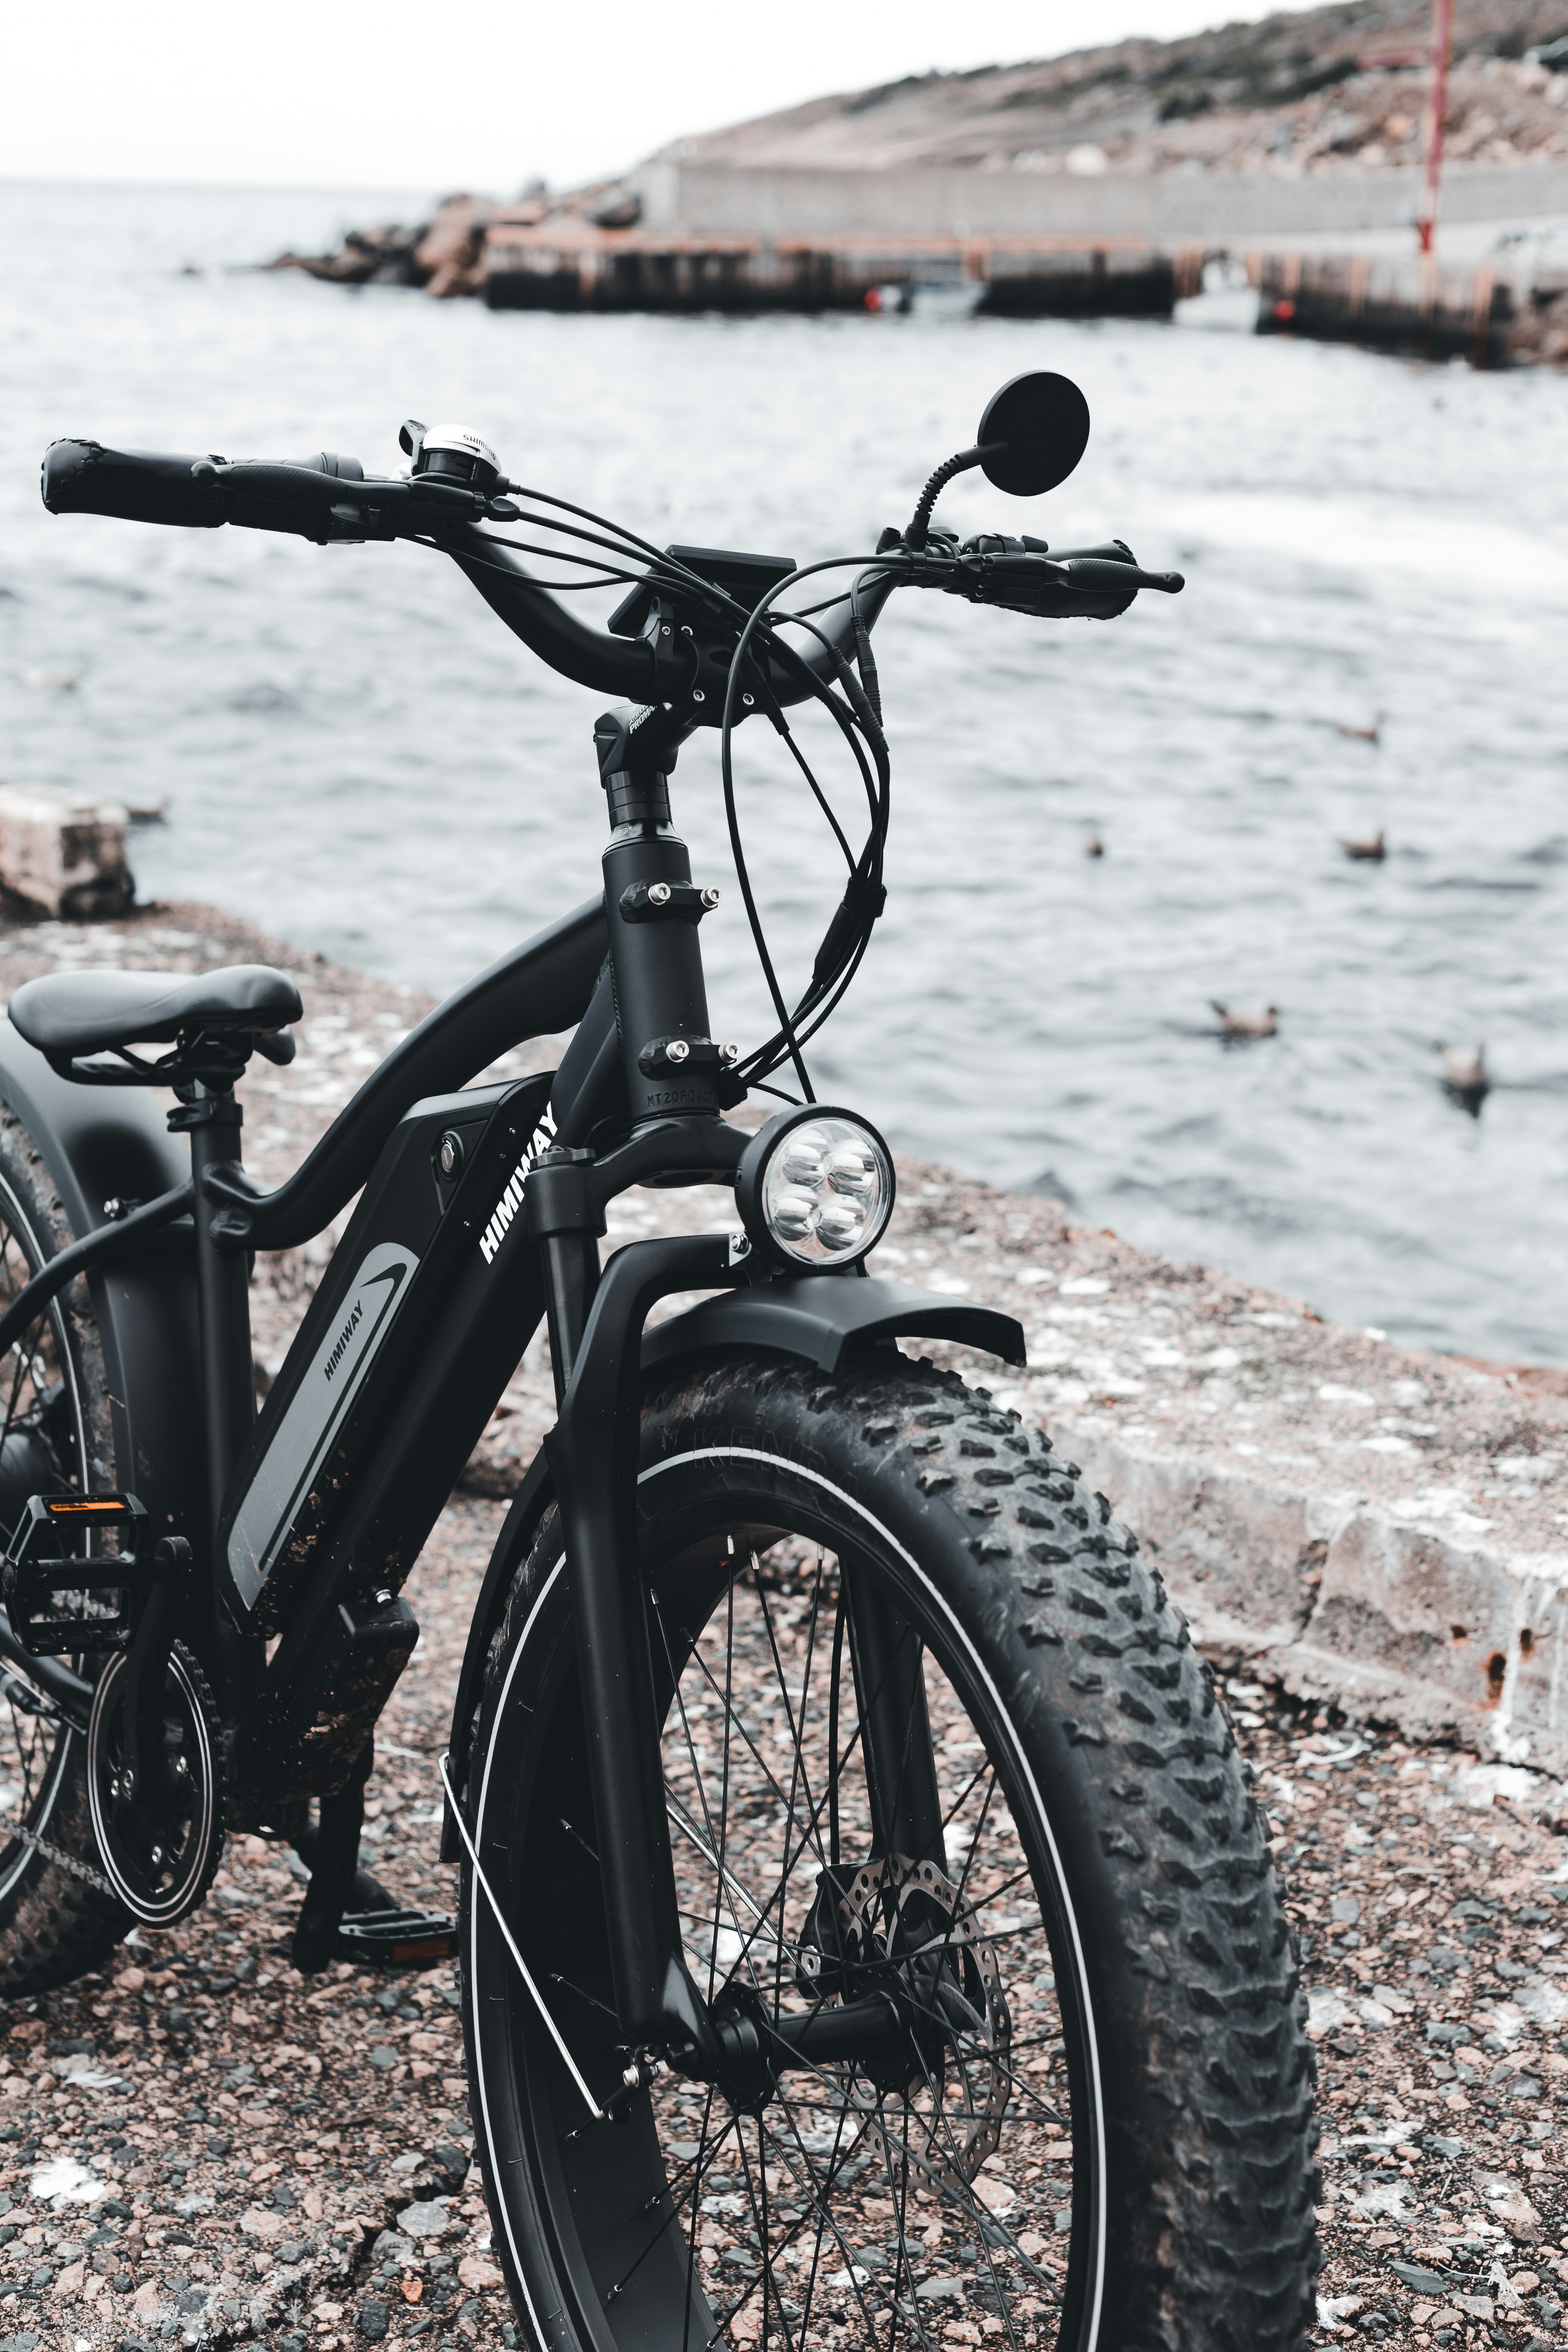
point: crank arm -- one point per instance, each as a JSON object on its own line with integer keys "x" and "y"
{"x": 146, "y": 1666}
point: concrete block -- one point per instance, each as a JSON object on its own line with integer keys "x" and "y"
{"x": 64, "y": 853}
{"x": 1446, "y": 1637}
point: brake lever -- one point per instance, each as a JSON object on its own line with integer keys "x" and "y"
{"x": 1020, "y": 575}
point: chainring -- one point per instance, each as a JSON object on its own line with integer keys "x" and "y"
{"x": 158, "y": 1845}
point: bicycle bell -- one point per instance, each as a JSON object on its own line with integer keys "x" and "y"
{"x": 450, "y": 453}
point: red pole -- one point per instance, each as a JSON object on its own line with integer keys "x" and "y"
{"x": 1442, "y": 45}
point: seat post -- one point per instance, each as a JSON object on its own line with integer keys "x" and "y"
{"x": 211, "y": 1117}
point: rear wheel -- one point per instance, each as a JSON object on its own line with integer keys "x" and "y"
{"x": 1093, "y": 2127}
{"x": 57, "y": 1916}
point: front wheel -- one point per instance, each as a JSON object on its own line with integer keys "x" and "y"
{"x": 932, "y": 1734}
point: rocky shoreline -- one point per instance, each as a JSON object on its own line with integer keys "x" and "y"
{"x": 1303, "y": 93}
{"x": 1330, "y": 95}
{"x": 197, "y": 2144}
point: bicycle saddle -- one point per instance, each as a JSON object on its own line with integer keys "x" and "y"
{"x": 69, "y": 1012}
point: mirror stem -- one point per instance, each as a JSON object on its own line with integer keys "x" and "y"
{"x": 916, "y": 535}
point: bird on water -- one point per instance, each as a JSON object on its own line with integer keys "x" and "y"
{"x": 1371, "y": 848}
{"x": 1465, "y": 1076}
{"x": 1373, "y": 734}
{"x": 1246, "y": 1024}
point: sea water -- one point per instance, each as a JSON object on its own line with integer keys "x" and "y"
{"x": 351, "y": 749}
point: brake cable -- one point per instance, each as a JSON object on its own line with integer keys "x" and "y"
{"x": 838, "y": 958}
{"x": 669, "y": 567}
{"x": 606, "y": 578}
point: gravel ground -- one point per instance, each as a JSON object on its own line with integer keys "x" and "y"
{"x": 197, "y": 2144}
{"x": 1432, "y": 1927}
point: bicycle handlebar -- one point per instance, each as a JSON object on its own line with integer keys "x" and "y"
{"x": 626, "y": 666}
{"x": 331, "y": 499}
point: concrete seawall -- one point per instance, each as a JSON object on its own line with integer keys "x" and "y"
{"x": 1163, "y": 209}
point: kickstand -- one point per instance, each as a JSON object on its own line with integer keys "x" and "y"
{"x": 347, "y": 1915}
{"x": 332, "y": 1861}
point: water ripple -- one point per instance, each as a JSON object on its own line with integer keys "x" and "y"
{"x": 354, "y": 752}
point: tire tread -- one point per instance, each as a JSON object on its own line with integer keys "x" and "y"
{"x": 1083, "y": 1621}
{"x": 56, "y": 1926}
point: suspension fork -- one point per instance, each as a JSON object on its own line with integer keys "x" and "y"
{"x": 593, "y": 1454}
{"x": 886, "y": 1654}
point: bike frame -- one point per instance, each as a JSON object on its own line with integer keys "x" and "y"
{"x": 480, "y": 1214}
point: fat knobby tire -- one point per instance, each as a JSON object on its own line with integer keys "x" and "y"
{"x": 55, "y": 1925}
{"x": 1198, "y": 2014}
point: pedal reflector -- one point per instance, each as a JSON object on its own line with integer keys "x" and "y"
{"x": 48, "y": 1555}
{"x": 396, "y": 1939}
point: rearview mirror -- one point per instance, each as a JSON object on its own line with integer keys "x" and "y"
{"x": 1032, "y": 434}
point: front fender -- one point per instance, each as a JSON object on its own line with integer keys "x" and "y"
{"x": 97, "y": 1142}
{"x": 823, "y": 1318}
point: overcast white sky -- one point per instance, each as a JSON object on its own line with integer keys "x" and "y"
{"x": 379, "y": 93}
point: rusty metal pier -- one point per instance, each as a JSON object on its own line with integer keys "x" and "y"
{"x": 564, "y": 264}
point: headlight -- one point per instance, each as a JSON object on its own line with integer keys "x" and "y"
{"x": 816, "y": 1187}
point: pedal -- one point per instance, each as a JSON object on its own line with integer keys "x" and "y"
{"x": 40, "y": 1563}
{"x": 377, "y": 1932}
{"x": 396, "y": 1939}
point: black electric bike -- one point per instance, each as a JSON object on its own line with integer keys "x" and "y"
{"x": 865, "y": 1922}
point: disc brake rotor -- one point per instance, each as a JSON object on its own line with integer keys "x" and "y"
{"x": 907, "y": 1921}
{"x": 158, "y": 1843}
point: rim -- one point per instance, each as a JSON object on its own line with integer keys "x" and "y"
{"x": 43, "y": 1438}
{"x": 962, "y": 2180}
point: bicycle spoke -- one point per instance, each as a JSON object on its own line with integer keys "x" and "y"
{"x": 856, "y": 2186}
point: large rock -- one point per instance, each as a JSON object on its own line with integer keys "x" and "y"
{"x": 447, "y": 258}
{"x": 64, "y": 853}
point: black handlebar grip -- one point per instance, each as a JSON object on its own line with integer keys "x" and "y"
{"x": 267, "y": 496}
{"x": 1095, "y": 572}
{"x": 136, "y": 484}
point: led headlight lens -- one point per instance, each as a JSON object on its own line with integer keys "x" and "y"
{"x": 821, "y": 1189}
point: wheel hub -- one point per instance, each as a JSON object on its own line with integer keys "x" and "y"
{"x": 909, "y": 2001}
{"x": 905, "y": 1929}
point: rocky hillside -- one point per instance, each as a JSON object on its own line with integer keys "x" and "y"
{"x": 1308, "y": 90}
